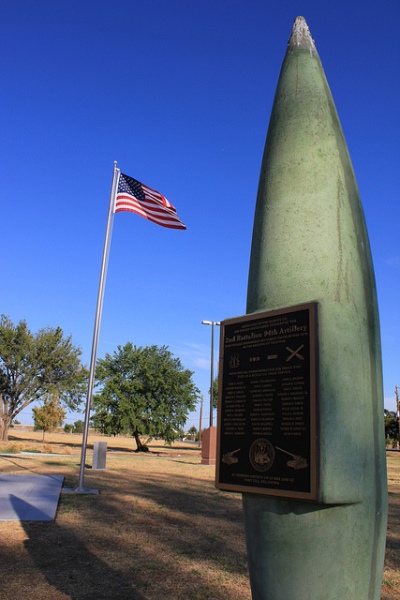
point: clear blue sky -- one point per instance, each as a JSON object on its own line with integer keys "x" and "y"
{"x": 179, "y": 92}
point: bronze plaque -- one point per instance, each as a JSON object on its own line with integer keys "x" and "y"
{"x": 267, "y": 414}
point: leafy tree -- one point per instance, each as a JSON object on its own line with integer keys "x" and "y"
{"x": 35, "y": 365}
{"x": 103, "y": 422}
{"x": 391, "y": 425}
{"x": 49, "y": 416}
{"x": 79, "y": 426}
{"x": 193, "y": 432}
{"x": 145, "y": 391}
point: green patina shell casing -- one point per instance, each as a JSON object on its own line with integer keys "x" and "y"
{"x": 310, "y": 243}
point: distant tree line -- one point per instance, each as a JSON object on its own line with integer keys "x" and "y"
{"x": 140, "y": 391}
{"x": 77, "y": 427}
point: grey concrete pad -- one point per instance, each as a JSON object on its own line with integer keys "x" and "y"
{"x": 29, "y": 497}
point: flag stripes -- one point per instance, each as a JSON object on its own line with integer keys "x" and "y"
{"x": 133, "y": 196}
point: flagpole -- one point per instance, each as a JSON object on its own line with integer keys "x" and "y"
{"x": 100, "y": 297}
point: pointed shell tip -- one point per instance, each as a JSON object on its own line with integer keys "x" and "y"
{"x": 301, "y": 36}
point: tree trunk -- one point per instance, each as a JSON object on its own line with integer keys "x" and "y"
{"x": 5, "y": 419}
{"x": 139, "y": 446}
{"x": 5, "y": 422}
{"x": 137, "y": 440}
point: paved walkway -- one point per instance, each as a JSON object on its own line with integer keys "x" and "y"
{"x": 29, "y": 497}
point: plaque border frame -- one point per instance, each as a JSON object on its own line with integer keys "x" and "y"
{"x": 314, "y": 493}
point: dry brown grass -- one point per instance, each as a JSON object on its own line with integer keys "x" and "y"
{"x": 391, "y": 576}
{"x": 158, "y": 529}
{"x": 58, "y": 442}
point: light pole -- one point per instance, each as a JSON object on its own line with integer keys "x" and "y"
{"x": 212, "y": 323}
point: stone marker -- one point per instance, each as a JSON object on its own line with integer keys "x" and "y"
{"x": 208, "y": 446}
{"x": 99, "y": 456}
{"x": 310, "y": 245}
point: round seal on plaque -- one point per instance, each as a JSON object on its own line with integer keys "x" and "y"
{"x": 262, "y": 455}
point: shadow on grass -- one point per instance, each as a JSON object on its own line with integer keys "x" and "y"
{"x": 68, "y": 565}
{"x": 33, "y": 440}
{"x": 153, "y": 449}
{"x": 182, "y": 528}
{"x": 16, "y": 461}
{"x": 393, "y": 533}
{"x": 150, "y": 535}
{"x": 146, "y": 536}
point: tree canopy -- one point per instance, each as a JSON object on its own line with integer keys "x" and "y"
{"x": 145, "y": 391}
{"x": 32, "y": 366}
{"x": 49, "y": 416}
{"x": 391, "y": 424}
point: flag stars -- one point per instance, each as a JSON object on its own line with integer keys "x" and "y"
{"x": 129, "y": 185}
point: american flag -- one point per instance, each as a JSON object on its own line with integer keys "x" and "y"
{"x": 136, "y": 197}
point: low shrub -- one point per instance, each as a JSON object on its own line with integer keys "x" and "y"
{"x": 12, "y": 448}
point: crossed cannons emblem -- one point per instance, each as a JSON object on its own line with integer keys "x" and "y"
{"x": 295, "y": 353}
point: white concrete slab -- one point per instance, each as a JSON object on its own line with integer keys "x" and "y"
{"x": 29, "y": 497}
